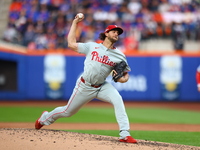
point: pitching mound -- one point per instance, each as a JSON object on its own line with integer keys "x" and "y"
{"x": 31, "y": 139}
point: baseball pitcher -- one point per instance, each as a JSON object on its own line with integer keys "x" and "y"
{"x": 101, "y": 60}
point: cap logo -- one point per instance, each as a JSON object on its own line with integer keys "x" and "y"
{"x": 111, "y": 27}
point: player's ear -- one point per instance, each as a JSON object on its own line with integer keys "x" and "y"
{"x": 106, "y": 34}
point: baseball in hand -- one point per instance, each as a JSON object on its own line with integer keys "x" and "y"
{"x": 80, "y": 15}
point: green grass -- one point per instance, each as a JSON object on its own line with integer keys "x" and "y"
{"x": 156, "y": 115}
{"x": 183, "y": 138}
{"x": 102, "y": 115}
{"x": 106, "y": 115}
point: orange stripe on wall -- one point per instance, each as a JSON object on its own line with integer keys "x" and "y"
{"x": 68, "y": 52}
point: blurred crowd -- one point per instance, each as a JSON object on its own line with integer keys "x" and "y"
{"x": 44, "y": 24}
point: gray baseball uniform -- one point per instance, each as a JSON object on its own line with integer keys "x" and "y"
{"x": 91, "y": 84}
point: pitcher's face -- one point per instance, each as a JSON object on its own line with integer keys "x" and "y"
{"x": 113, "y": 36}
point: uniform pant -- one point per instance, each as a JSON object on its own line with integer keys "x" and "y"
{"x": 82, "y": 94}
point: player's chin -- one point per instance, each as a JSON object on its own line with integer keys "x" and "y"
{"x": 114, "y": 40}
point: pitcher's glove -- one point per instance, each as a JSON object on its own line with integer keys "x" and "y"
{"x": 118, "y": 70}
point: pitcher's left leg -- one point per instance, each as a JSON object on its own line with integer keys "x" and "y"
{"x": 109, "y": 94}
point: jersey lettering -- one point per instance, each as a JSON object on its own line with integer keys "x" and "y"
{"x": 104, "y": 59}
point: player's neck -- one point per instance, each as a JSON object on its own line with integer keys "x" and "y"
{"x": 108, "y": 44}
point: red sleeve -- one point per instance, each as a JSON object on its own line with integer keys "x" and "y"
{"x": 198, "y": 78}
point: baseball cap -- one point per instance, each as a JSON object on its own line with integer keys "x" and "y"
{"x": 112, "y": 27}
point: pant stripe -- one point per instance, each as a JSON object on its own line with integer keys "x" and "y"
{"x": 67, "y": 106}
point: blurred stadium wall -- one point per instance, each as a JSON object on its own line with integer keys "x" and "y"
{"x": 38, "y": 74}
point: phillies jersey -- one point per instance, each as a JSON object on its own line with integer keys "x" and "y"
{"x": 99, "y": 61}
{"x": 198, "y": 76}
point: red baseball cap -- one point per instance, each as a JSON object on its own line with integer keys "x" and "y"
{"x": 112, "y": 27}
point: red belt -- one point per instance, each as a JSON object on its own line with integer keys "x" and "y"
{"x": 95, "y": 86}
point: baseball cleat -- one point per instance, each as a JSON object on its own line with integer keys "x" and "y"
{"x": 38, "y": 125}
{"x": 128, "y": 139}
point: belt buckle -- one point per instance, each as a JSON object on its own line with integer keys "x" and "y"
{"x": 95, "y": 86}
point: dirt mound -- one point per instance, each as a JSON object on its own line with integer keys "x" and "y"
{"x": 45, "y": 139}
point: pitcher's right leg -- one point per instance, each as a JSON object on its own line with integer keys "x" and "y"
{"x": 76, "y": 101}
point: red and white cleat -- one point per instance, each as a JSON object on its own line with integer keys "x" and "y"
{"x": 38, "y": 125}
{"x": 128, "y": 139}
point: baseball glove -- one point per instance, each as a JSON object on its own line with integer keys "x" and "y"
{"x": 119, "y": 70}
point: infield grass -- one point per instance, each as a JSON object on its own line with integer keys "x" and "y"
{"x": 106, "y": 115}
